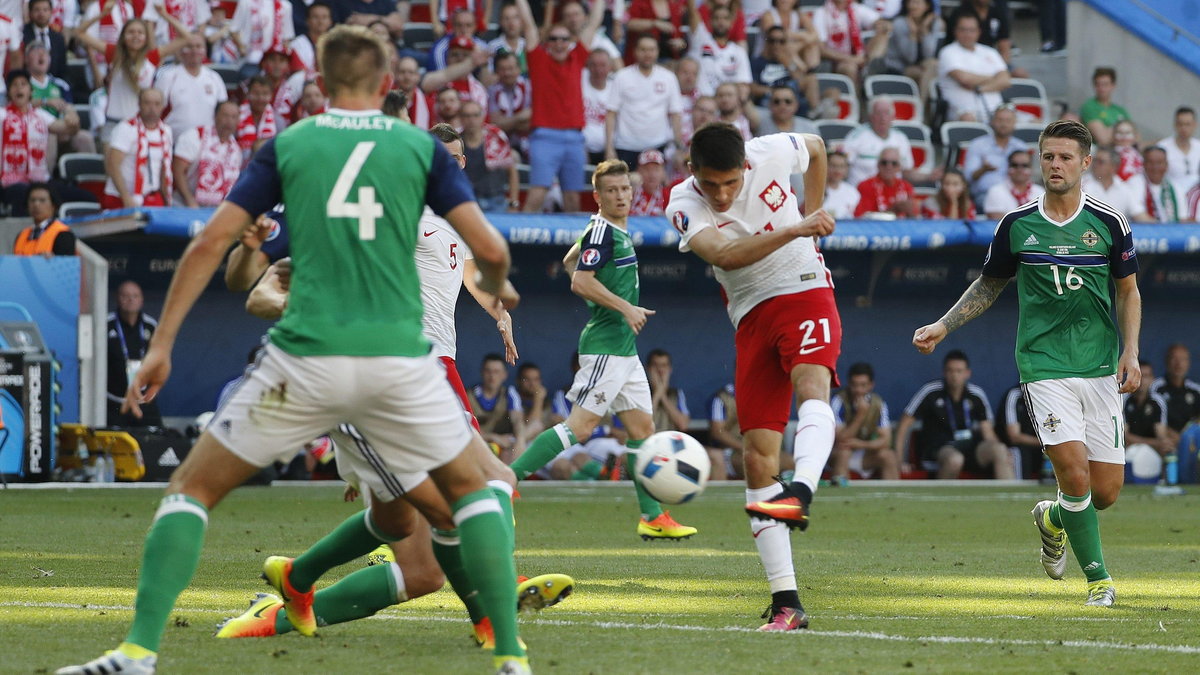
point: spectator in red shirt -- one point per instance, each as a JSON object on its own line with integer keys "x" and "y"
{"x": 661, "y": 20}
{"x": 952, "y": 201}
{"x": 650, "y": 195}
{"x": 24, "y": 140}
{"x": 737, "y": 30}
{"x": 556, "y": 146}
{"x": 887, "y": 191}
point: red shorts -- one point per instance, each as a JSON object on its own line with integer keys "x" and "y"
{"x": 456, "y": 384}
{"x": 776, "y": 336}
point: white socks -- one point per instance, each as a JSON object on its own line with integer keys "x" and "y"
{"x": 813, "y": 442}
{"x": 774, "y": 544}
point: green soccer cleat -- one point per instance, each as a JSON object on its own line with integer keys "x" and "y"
{"x": 544, "y": 590}
{"x": 1101, "y": 593}
{"x": 299, "y": 606}
{"x": 258, "y": 621}
{"x": 1054, "y": 541}
{"x": 115, "y": 661}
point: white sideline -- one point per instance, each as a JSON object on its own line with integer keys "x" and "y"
{"x": 622, "y": 625}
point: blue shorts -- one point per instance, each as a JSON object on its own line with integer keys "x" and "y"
{"x": 557, "y": 153}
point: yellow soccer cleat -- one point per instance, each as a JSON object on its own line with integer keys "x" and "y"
{"x": 664, "y": 527}
{"x": 544, "y": 590}
{"x": 299, "y": 606}
{"x": 258, "y": 621}
{"x": 485, "y": 637}
{"x": 381, "y": 556}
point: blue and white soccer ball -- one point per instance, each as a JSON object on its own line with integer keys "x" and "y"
{"x": 673, "y": 467}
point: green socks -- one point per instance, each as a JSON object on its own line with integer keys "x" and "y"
{"x": 1077, "y": 516}
{"x": 544, "y": 448}
{"x": 355, "y": 596}
{"x": 446, "y": 549}
{"x": 650, "y": 507}
{"x": 169, "y": 560}
{"x": 487, "y": 557}
{"x": 356, "y": 536}
{"x": 590, "y": 471}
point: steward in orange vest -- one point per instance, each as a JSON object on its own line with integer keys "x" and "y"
{"x": 47, "y": 236}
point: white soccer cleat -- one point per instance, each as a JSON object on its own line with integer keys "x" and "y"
{"x": 111, "y": 663}
{"x": 1101, "y": 593}
{"x": 1054, "y": 544}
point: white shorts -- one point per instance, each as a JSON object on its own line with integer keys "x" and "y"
{"x": 358, "y": 464}
{"x": 605, "y": 382}
{"x": 403, "y": 406}
{"x": 1079, "y": 409}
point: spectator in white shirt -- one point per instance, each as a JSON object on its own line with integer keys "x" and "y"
{"x": 971, "y": 75}
{"x": 262, "y": 25}
{"x": 208, "y": 158}
{"x": 644, "y": 107}
{"x": 721, "y": 59}
{"x": 731, "y": 110}
{"x": 510, "y": 99}
{"x": 318, "y": 21}
{"x": 1017, "y": 189}
{"x": 1183, "y": 149}
{"x": 1163, "y": 198}
{"x": 138, "y": 160}
{"x": 841, "y": 196}
{"x": 840, "y": 26}
{"x": 1102, "y": 182}
{"x": 597, "y": 85}
{"x": 512, "y": 36}
{"x": 864, "y": 145}
{"x": 987, "y": 156}
{"x": 192, "y": 89}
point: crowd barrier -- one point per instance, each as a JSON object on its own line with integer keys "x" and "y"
{"x": 655, "y": 231}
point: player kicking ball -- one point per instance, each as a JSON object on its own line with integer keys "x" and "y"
{"x": 610, "y": 375}
{"x": 411, "y": 567}
{"x": 737, "y": 212}
{"x": 1065, "y": 249}
{"x": 349, "y": 348}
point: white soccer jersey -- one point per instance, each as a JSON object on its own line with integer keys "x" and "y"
{"x": 765, "y": 204}
{"x": 441, "y": 255}
{"x": 192, "y": 99}
{"x": 644, "y": 105}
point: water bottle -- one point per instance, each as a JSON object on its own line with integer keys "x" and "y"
{"x": 81, "y": 451}
{"x": 1171, "y": 467}
{"x": 110, "y": 469}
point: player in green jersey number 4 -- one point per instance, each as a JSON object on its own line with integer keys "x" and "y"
{"x": 1066, "y": 248}
{"x": 349, "y": 348}
{"x": 604, "y": 272}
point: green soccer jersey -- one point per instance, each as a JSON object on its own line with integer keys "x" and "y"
{"x": 1064, "y": 273}
{"x": 607, "y": 250}
{"x": 353, "y": 185}
{"x": 51, "y": 88}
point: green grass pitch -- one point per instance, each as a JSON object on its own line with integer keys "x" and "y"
{"x": 901, "y": 579}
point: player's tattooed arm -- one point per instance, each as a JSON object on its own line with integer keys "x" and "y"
{"x": 978, "y": 297}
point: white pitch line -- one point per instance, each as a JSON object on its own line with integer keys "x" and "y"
{"x": 627, "y": 625}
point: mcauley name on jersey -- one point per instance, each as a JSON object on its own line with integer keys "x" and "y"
{"x": 366, "y": 123}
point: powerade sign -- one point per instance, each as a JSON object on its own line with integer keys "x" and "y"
{"x": 26, "y": 404}
{"x": 37, "y": 455}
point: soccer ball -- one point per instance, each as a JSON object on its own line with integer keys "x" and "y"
{"x": 673, "y": 467}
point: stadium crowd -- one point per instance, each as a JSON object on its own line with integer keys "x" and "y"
{"x": 177, "y": 96}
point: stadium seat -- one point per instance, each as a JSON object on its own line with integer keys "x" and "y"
{"x": 77, "y": 209}
{"x": 956, "y": 136}
{"x": 903, "y": 90}
{"x": 921, "y": 140}
{"x": 85, "y": 169}
{"x": 419, "y": 12}
{"x": 229, "y": 75}
{"x": 419, "y": 36}
{"x": 848, "y": 95}
{"x": 833, "y": 132}
{"x": 77, "y": 77}
{"x": 85, "y": 116}
{"x": 1029, "y": 132}
{"x": 1029, "y": 97}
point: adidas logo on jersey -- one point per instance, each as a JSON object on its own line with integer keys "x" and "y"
{"x": 169, "y": 458}
{"x": 1031, "y": 241}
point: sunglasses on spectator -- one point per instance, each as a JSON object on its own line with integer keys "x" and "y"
{"x": 558, "y": 38}
{"x": 777, "y": 41}
{"x": 889, "y": 162}
{"x": 783, "y": 101}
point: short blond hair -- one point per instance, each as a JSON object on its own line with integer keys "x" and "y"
{"x": 609, "y": 167}
{"x": 352, "y": 58}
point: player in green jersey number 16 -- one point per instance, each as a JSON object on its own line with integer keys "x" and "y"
{"x": 1067, "y": 249}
